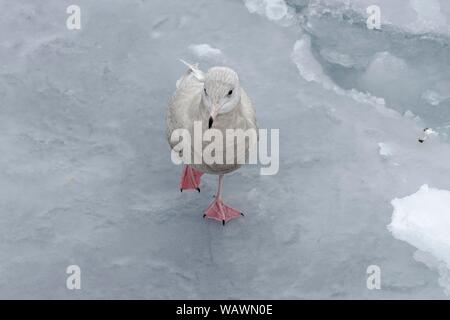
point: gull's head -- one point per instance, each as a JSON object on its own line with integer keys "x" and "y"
{"x": 221, "y": 91}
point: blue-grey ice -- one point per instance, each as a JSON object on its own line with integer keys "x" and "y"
{"x": 85, "y": 171}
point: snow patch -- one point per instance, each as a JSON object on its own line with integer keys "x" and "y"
{"x": 423, "y": 220}
{"x": 385, "y": 150}
{"x": 310, "y": 69}
{"x": 204, "y": 50}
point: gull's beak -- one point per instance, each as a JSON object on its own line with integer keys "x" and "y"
{"x": 211, "y": 120}
{"x": 212, "y": 116}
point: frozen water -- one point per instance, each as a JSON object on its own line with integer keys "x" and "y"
{"x": 86, "y": 176}
{"x": 396, "y": 63}
{"x": 423, "y": 220}
{"x": 413, "y": 16}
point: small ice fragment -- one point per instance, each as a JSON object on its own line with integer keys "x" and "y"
{"x": 423, "y": 220}
{"x": 205, "y": 50}
{"x": 385, "y": 150}
{"x": 274, "y": 10}
{"x": 310, "y": 69}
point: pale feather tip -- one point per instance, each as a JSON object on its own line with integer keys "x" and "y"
{"x": 199, "y": 74}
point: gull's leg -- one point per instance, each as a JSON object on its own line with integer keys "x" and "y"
{"x": 190, "y": 178}
{"x": 220, "y": 211}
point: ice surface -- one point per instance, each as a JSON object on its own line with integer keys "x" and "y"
{"x": 423, "y": 220}
{"x": 86, "y": 176}
{"x": 414, "y": 16}
{"x": 401, "y": 69}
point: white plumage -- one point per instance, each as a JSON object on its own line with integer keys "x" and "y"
{"x": 192, "y": 103}
{"x": 215, "y": 99}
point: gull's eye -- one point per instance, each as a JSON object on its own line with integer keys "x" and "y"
{"x": 204, "y": 89}
{"x": 230, "y": 92}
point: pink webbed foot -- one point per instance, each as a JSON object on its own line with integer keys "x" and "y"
{"x": 220, "y": 211}
{"x": 190, "y": 178}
